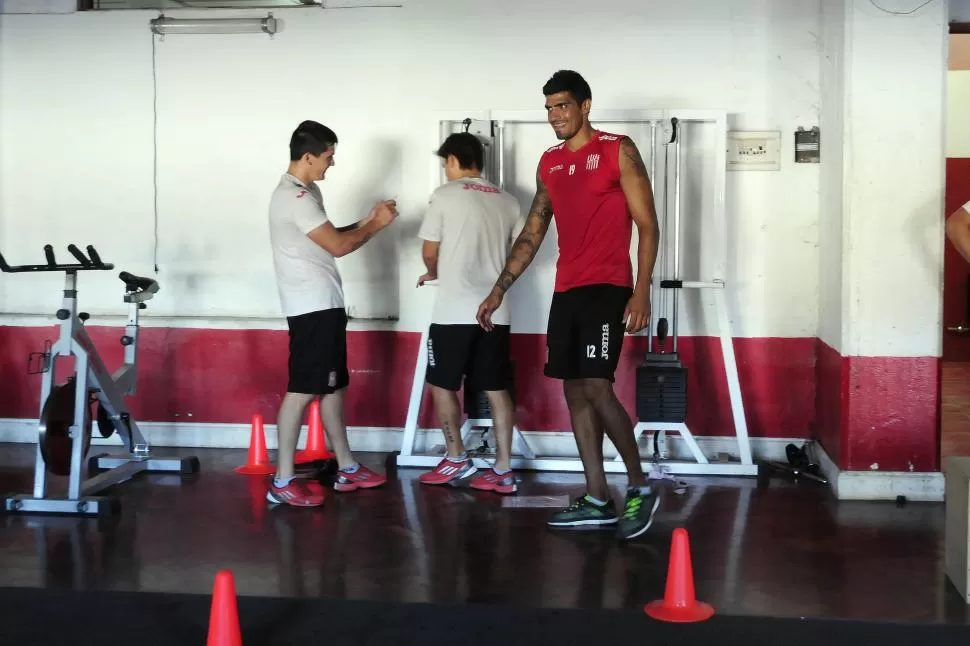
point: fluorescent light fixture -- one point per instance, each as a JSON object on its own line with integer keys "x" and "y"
{"x": 165, "y": 25}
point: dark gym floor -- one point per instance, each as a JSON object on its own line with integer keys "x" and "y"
{"x": 785, "y": 550}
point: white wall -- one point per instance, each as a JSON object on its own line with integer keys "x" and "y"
{"x": 883, "y": 173}
{"x": 957, "y": 124}
{"x": 82, "y": 85}
{"x": 832, "y": 167}
{"x": 895, "y": 181}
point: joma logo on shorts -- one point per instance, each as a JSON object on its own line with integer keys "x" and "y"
{"x": 604, "y": 345}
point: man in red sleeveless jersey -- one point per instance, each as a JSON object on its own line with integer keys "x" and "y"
{"x": 596, "y": 186}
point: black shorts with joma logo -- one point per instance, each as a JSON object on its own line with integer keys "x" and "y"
{"x": 318, "y": 352}
{"x": 467, "y": 351}
{"x": 585, "y": 332}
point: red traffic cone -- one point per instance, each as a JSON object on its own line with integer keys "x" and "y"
{"x": 316, "y": 441}
{"x": 224, "y": 614}
{"x": 679, "y": 604}
{"x": 258, "y": 462}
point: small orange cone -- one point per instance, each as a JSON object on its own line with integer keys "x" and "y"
{"x": 679, "y": 604}
{"x": 258, "y": 462}
{"x": 316, "y": 441}
{"x": 224, "y": 614}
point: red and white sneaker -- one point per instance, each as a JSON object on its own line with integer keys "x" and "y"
{"x": 491, "y": 481}
{"x": 362, "y": 478}
{"x": 449, "y": 472}
{"x": 295, "y": 493}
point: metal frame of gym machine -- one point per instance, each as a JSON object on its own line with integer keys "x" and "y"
{"x": 91, "y": 377}
{"x": 524, "y": 456}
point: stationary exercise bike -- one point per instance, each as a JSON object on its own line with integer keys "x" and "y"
{"x": 65, "y": 409}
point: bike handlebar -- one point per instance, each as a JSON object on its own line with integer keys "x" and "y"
{"x": 90, "y": 262}
{"x": 138, "y": 289}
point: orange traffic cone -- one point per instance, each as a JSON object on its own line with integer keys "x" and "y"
{"x": 679, "y": 604}
{"x": 258, "y": 462}
{"x": 316, "y": 441}
{"x": 224, "y": 614}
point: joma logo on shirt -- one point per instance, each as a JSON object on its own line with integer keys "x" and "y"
{"x": 479, "y": 187}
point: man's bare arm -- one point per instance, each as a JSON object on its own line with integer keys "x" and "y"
{"x": 639, "y": 198}
{"x": 429, "y": 253}
{"x": 958, "y": 232}
{"x": 526, "y": 245}
{"x": 339, "y": 244}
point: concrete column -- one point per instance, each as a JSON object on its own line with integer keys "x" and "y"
{"x": 881, "y": 233}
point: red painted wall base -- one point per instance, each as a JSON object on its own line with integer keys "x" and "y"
{"x": 205, "y": 375}
{"x": 878, "y": 413}
{"x": 865, "y": 410}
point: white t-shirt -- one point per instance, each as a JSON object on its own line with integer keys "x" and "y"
{"x": 306, "y": 275}
{"x": 476, "y": 223}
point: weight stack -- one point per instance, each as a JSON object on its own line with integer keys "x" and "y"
{"x": 477, "y": 405}
{"x": 662, "y": 390}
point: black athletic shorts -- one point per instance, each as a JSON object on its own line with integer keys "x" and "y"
{"x": 318, "y": 352}
{"x": 455, "y": 351}
{"x": 585, "y": 332}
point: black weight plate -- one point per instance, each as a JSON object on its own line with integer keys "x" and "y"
{"x": 105, "y": 426}
{"x": 55, "y": 441}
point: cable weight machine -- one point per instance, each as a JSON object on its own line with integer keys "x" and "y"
{"x": 661, "y": 389}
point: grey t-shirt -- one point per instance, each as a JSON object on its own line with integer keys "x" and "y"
{"x": 475, "y": 223}
{"x": 306, "y": 275}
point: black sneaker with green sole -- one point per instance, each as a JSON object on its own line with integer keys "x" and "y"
{"x": 584, "y": 512}
{"x": 638, "y": 513}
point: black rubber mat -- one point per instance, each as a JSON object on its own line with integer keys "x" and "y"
{"x": 54, "y": 617}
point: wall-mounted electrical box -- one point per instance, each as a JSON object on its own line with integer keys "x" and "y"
{"x": 754, "y": 150}
{"x": 807, "y": 146}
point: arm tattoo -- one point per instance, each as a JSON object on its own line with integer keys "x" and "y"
{"x": 527, "y": 244}
{"x": 360, "y": 243}
{"x": 630, "y": 150}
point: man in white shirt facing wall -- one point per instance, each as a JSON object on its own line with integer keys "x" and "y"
{"x": 467, "y": 231}
{"x": 305, "y": 244}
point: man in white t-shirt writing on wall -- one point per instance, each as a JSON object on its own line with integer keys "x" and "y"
{"x": 305, "y": 244}
{"x": 467, "y": 231}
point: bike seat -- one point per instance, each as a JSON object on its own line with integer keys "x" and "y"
{"x": 138, "y": 285}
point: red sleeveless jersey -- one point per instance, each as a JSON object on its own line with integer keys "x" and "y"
{"x": 591, "y": 213}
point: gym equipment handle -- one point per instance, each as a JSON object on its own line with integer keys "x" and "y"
{"x": 90, "y": 262}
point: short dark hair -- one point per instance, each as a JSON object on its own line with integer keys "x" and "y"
{"x": 467, "y": 149}
{"x": 311, "y": 137}
{"x": 568, "y": 81}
